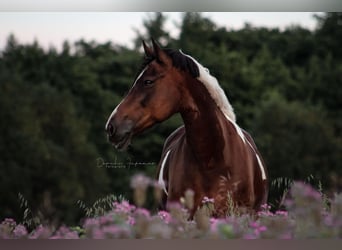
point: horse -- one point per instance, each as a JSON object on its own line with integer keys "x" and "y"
{"x": 209, "y": 154}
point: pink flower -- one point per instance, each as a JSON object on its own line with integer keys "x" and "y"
{"x": 143, "y": 212}
{"x": 123, "y": 207}
{"x": 266, "y": 207}
{"x": 206, "y": 200}
{"x": 254, "y": 224}
{"x": 214, "y": 223}
{"x": 91, "y": 222}
{"x": 130, "y": 220}
{"x": 165, "y": 216}
{"x": 20, "y": 231}
{"x": 40, "y": 233}
{"x": 262, "y": 229}
{"x": 282, "y": 213}
{"x": 98, "y": 234}
{"x": 106, "y": 219}
{"x": 65, "y": 233}
{"x": 140, "y": 181}
{"x": 265, "y": 214}
{"x": 110, "y": 230}
{"x": 9, "y": 221}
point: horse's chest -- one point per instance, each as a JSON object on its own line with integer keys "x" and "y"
{"x": 184, "y": 172}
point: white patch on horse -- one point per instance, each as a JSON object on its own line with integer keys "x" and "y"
{"x": 218, "y": 95}
{"x": 116, "y": 109}
{"x": 140, "y": 75}
{"x": 214, "y": 89}
{"x": 261, "y": 167}
{"x": 161, "y": 173}
{"x": 238, "y": 129}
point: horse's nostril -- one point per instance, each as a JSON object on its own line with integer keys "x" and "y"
{"x": 110, "y": 129}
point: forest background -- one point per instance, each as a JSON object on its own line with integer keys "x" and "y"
{"x": 285, "y": 87}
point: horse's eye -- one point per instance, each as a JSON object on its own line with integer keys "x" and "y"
{"x": 148, "y": 82}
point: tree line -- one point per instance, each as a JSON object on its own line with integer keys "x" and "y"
{"x": 285, "y": 87}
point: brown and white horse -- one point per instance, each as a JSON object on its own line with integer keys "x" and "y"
{"x": 210, "y": 154}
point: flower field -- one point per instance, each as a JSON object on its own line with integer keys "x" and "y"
{"x": 307, "y": 215}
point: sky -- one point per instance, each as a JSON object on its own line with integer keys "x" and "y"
{"x": 52, "y": 28}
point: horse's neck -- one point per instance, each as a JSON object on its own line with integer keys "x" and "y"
{"x": 203, "y": 123}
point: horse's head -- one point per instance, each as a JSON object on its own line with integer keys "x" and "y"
{"x": 154, "y": 97}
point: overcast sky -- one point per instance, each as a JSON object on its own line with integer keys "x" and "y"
{"x": 52, "y": 28}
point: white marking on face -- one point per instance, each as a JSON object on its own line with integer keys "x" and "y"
{"x": 116, "y": 109}
{"x": 140, "y": 75}
{"x": 161, "y": 173}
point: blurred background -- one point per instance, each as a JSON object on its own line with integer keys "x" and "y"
{"x": 62, "y": 74}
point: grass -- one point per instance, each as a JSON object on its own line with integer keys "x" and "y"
{"x": 308, "y": 214}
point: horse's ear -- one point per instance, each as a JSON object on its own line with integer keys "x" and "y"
{"x": 160, "y": 55}
{"x": 148, "y": 50}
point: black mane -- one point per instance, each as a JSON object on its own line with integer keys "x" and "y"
{"x": 179, "y": 61}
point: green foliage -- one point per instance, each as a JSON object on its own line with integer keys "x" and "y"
{"x": 100, "y": 206}
{"x": 305, "y": 217}
{"x": 283, "y": 85}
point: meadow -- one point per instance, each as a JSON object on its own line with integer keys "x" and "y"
{"x": 284, "y": 85}
{"x": 307, "y": 213}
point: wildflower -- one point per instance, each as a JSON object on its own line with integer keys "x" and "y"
{"x": 9, "y": 221}
{"x": 189, "y": 199}
{"x": 254, "y": 224}
{"x": 202, "y": 219}
{"x": 140, "y": 183}
{"x": 91, "y": 222}
{"x": 282, "y": 213}
{"x": 130, "y": 220}
{"x": 206, "y": 200}
{"x": 265, "y": 207}
{"x": 19, "y": 231}
{"x": 97, "y": 233}
{"x": 262, "y": 229}
{"x": 41, "y": 232}
{"x": 142, "y": 212}
{"x": 123, "y": 207}
{"x": 65, "y": 233}
{"x": 165, "y": 216}
{"x": 265, "y": 214}
{"x": 116, "y": 232}
{"x": 302, "y": 190}
{"x": 110, "y": 231}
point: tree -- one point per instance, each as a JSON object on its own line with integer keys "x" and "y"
{"x": 154, "y": 27}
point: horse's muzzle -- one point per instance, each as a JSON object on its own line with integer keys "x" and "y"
{"x": 120, "y": 134}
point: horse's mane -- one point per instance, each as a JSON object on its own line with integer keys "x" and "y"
{"x": 214, "y": 89}
{"x": 195, "y": 69}
{"x": 179, "y": 61}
